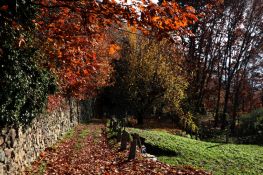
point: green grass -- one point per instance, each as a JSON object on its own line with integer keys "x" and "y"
{"x": 83, "y": 133}
{"x": 42, "y": 168}
{"x": 69, "y": 134}
{"x": 213, "y": 157}
{"x": 80, "y": 138}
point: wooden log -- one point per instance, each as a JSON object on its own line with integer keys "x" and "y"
{"x": 125, "y": 138}
{"x": 138, "y": 140}
{"x": 119, "y": 135}
{"x": 132, "y": 153}
{"x": 114, "y": 126}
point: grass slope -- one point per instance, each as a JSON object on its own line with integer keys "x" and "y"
{"x": 213, "y": 157}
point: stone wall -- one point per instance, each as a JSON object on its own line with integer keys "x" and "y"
{"x": 20, "y": 146}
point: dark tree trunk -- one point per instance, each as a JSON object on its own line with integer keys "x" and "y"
{"x": 233, "y": 124}
{"x": 219, "y": 73}
{"x": 132, "y": 152}
{"x": 225, "y": 109}
{"x": 235, "y": 108}
{"x": 140, "y": 120}
{"x": 124, "y": 140}
{"x": 216, "y": 119}
{"x": 119, "y": 133}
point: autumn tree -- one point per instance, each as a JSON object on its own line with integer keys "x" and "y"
{"x": 76, "y": 29}
{"x": 67, "y": 38}
{"x": 226, "y": 44}
{"x": 149, "y": 80}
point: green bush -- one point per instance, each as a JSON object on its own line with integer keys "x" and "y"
{"x": 251, "y": 127}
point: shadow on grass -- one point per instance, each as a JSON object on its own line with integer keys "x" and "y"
{"x": 155, "y": 150}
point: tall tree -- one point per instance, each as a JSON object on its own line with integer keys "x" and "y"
{"x": 226, "y": 43}
{"x": 149, "y": 80}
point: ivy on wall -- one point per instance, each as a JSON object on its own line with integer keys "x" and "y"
{"x": 24, "y": 83}
{"x": 24, "y": 87}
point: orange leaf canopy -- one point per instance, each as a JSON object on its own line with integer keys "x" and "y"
{"x": 76, "y": 39}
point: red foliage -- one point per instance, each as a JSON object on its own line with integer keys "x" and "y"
{"x": 54, "y": 101}
{"x": 76, "y": 41}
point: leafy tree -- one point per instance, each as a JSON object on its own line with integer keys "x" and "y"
{"x": 81, "y": 52}
{"x": 68, "y": 39}
{"x": 149, "y": 79}
{"x": 224, "y": 52}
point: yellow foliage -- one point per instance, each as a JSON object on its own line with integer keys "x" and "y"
{"x": 155, "y": 66}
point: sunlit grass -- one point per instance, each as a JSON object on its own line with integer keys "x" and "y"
{"x": 213, "y": 157}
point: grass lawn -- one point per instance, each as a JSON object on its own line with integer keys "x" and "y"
{"x": 213, "y": 157}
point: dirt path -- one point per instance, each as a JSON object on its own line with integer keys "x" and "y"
{"x": 85, "y": 151}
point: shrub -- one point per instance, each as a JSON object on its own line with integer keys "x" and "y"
{"x": 251, "y": 127}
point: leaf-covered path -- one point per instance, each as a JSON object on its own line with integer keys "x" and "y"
{"x": 85, "y": 150}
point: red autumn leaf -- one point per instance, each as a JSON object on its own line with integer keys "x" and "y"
{"x": 4, "y": 8}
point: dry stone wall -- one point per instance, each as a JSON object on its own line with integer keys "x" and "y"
{"x": 20, "y": 146}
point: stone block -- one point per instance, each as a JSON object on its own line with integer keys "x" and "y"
{"x": 4, "y": 131}
{"x": 2, "y": 156}
{"x": 1, "y": 168}
{"x": 14, "y": 144}
{"x": 8, "y": 142}
{"x": 9, "y": 153}
{"x": 12, "y": 133}
{"x": 2, "y": 140}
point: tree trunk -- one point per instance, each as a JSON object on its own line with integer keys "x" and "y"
{"x": 132, "y": 152}
{"x": 225, "y": 110}
{"x": 233, "y": 124}
{"x": 140, "y": 120}
{"x": 235, "y": 109}
{"x": 217, "y": 109}
{"x": 124, "y": 140}
{"x": 218, "y": 96}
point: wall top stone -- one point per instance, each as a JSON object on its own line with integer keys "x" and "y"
{"x": 2, "y": 140}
